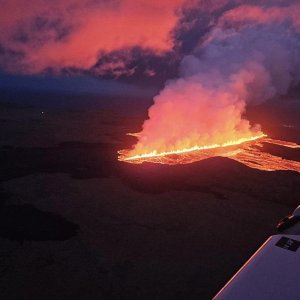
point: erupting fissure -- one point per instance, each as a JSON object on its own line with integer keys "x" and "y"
{"x": 250, "y": 55}
{"x": 249, "y": 152}
{"x": 124, "y": 154}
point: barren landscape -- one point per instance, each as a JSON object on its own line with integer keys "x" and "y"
{"x": 113, "y": 230}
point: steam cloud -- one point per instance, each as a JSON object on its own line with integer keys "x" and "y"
{"x": 251, "y": 54}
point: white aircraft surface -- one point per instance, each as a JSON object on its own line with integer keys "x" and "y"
{"x": 273, "y": 272}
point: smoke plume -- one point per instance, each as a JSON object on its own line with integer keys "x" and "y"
{"x": 250, "y": 55}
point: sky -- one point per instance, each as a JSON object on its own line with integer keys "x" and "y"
{"x": 128, "y": 43}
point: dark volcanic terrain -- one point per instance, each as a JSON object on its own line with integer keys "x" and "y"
{"x": 75, "y": 223}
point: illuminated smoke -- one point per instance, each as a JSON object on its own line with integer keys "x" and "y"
{"x": 249, "y": 56}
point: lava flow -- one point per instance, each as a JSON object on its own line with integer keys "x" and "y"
{"x": 248, "y": 151}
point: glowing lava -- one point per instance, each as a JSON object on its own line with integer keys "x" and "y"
{"x": 248, "y": 151}
{"x": 187, "y": 150}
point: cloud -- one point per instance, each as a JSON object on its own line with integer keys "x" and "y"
{"x": 246, "y": 14}
{"x": 75, "y": 33}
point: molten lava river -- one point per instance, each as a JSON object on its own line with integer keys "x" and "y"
{"x": 247, "y": 151}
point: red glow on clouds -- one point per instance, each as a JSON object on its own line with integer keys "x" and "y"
{"x": 263, "y": 15}
{"x": 92, "y": 27}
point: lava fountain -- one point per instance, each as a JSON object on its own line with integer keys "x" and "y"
{"x": 240, "y": 62}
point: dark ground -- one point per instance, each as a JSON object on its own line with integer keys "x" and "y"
{"x": 77, "y": 224}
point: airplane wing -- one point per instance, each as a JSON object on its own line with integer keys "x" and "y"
{"x": 273, "y": 272}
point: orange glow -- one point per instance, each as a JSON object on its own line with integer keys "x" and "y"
{"x": 282, "y": 143}
{"x": 248, "y": 152}
{"x": 155, "y": 153}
